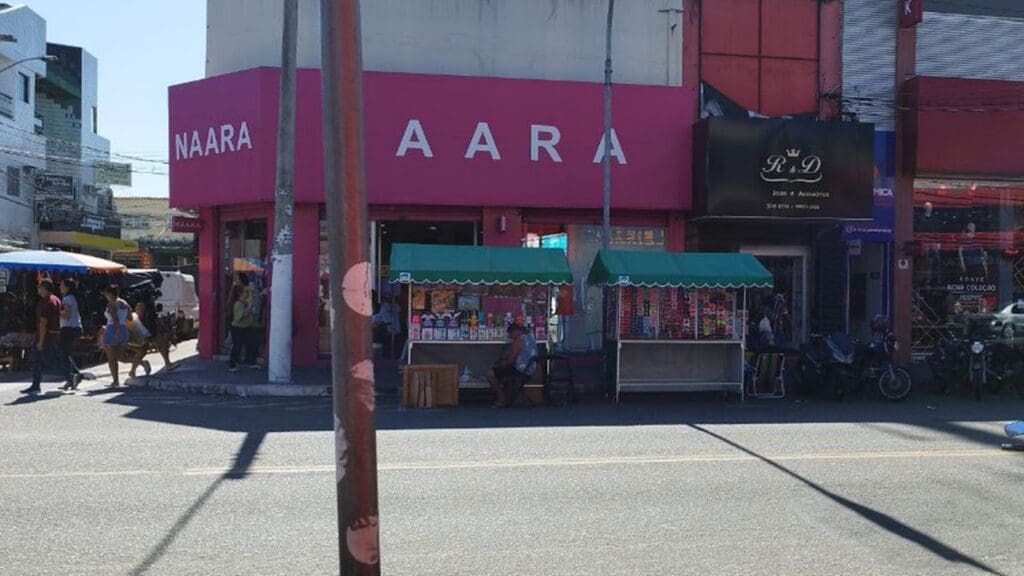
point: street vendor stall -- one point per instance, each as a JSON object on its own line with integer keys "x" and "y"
{"x": 20, "y": 273}
{"x": 676, "y": 321}
{"x": 460, "y": 300}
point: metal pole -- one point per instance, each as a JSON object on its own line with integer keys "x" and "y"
{"x": 279, "y": 357}
{"x": 606, "y": 230}
{"x": 351, "y": 352}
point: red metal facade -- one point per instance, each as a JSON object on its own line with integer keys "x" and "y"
{"x": 771, "y": 56}
{"x": 963, "y": 126}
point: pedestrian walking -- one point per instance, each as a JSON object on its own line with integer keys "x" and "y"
{"x": 115, "y": 333}
{"x": 46, "y": 349}
{"x": 148, "y": 333}
{"x": 241, "y": 326}
{"x": 70, "y": 331}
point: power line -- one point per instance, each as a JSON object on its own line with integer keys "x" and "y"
{"x": 68, "y": 160}
{"x": 82, "y": 146}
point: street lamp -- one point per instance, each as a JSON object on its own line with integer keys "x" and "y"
{"x": 44, "y": 58}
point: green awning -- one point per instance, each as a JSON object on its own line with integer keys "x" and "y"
{"x": 488, "y": 265}
{"x": 683, "y": 269}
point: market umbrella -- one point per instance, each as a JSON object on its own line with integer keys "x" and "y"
{"x": 58, "y": 262}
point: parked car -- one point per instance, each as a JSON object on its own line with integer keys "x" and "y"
{"x": 1008, "y": 322}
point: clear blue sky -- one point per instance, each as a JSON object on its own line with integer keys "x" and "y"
{"x": 143, "y": 46}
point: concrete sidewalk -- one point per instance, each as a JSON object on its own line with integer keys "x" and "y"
{"x": 201, "y": 376}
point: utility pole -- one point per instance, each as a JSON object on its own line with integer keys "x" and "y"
{"x": 279, "y": 358}
{"x": 351, "y": 350}
{"x": 606, "y": 230}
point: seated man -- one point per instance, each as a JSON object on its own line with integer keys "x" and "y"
{"x": 517, "y": 361}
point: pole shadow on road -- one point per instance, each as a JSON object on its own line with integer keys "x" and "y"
{"x": 876, "y": 517}
{"x": 241, "y": 463}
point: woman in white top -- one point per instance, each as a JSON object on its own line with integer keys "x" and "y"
{"x": 147, "y": 333}
{"x": 115, "y": 334}
{"x": 70, "y": 331}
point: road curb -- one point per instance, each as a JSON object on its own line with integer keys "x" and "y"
{"x": 242, "y": 390}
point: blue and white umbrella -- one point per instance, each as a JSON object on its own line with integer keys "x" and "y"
{"x": 55, "y": 261}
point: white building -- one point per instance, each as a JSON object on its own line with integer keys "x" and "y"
{"x": 553, "y": 40}
{"x": 22, "y": 146}
{"x": 78, "y": 213}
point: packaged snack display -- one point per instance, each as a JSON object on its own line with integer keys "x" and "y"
{"x": 447, "y": 318}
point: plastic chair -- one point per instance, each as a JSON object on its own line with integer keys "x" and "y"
{"x": 769, "y": 379}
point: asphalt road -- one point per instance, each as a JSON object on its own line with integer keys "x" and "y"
{"x": 144, "y": 482}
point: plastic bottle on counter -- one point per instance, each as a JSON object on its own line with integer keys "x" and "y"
{"x": 414, "y": 328}
{"x": 427, "y": 327}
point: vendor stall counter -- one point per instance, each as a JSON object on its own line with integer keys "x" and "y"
{"x": 461, "y": 299}
{"x": 676, "y": 322}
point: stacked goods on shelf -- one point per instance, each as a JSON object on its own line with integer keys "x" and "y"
{"x": 676, "y": 320}
{"x": 717, "y": 314}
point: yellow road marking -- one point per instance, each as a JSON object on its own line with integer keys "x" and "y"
{"x": 542, "y": 463}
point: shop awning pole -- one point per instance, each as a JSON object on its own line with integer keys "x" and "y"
{"x": 351, "y": 348}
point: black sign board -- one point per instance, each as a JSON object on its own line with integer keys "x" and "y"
{"x": 780, "y": 168}
{"x": 54, "y": 185}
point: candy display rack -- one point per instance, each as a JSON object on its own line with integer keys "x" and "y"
{"x": 678, "y": 319}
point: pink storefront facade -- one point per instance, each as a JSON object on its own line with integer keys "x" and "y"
{"x": 502, "y": 159}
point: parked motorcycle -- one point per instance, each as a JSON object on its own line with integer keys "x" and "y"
{"x": 839, "y": 366}
{"x": 994, "y": 366}
{"x": 877, "y": 365}
{"x": 947, "y": 362}
{"x": 823, "y": 367}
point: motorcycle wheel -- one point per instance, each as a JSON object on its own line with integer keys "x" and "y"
{"x": 895, "y": 384}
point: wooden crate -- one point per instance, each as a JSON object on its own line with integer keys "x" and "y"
{"x": 430, "y": 385}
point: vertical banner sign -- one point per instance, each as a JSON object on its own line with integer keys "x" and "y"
{"x": 911, "y": 12}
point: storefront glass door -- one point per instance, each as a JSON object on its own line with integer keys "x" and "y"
{"x": 786, "y": 303}
{"x": 245, "y": 254}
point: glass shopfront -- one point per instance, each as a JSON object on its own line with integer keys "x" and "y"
{"x": 245, "y": 255}
{"x": 969, "y": 261}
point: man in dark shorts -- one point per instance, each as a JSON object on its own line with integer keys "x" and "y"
{"x": 47, "y": 333}
{"x": 514, "y": 363}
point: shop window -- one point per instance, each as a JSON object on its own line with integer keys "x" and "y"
{"x": 14, "y": 181}
{"x": 969, "y": 262}
{"x": 245, "y": 256}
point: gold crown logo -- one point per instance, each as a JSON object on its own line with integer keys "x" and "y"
{"x": 793, "y": 152}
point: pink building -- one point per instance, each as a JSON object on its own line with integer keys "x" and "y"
{"x": 450, "y": 159}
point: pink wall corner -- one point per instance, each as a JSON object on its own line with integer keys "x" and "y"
{"x": 676, "y": 233}
{"x": 492, "y": 223}
{"x": 305, "y": 290}
{"x": 209, "y": 285}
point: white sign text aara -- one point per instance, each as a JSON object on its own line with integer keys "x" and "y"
{"x": 543, "y": 138}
